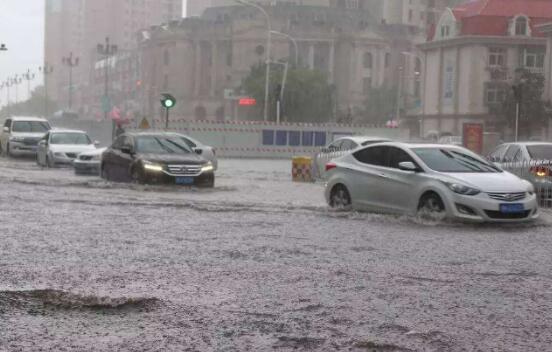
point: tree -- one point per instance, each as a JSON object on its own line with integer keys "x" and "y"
{"x": 533, "y": 112}
{"x": 307, "y": 97}
{"x": 380, "y": 105}
{"x": 35, "y": 106}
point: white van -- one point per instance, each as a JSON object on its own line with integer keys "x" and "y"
{"x": 20, "y": 135}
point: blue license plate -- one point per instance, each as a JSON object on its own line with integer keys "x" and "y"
{"x": 184, "y": 181}
{"x": 511, "y": 208}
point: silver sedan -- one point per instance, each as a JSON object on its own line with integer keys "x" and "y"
{"x": 431, "y": 181}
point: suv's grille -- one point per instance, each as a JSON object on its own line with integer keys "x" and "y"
{"x": 186, "y": 170}
{"x": 507, "y": 216}
{"x": 71, "y": 155}
{"x": 508, "y": 197}
{"x": 85, "y": 157}
{"x": 31, "y": 141}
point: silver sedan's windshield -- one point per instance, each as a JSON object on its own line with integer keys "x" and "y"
{"x": 453, "y": 160}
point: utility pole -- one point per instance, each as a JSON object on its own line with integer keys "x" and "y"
{"x": 29, "y": 77}
{"x": 107, "y": 50}
{"x": 399, "y": 94}
{"x": 70, "y": 62}
{"x": 46, "y": 71}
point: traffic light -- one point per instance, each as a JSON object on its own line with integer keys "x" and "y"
{"x": 168, "y": 101}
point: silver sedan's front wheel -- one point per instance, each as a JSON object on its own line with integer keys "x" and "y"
{"x": 340, "y": 198}
{"x": 432, "y": 208}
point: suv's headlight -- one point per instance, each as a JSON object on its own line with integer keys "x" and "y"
{"x": 17, "y": 139}
{"x": 152, "y": 166}
{"x": 207, "y": 167}
{"x": 462, "y": 189}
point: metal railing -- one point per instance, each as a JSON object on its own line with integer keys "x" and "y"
{"x": 539, "y": 173}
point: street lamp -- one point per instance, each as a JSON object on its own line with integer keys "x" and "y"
{"x": 70, "y": 62}
{"x": 294, "y": 44}
{"x": 417, "y": 75}
{"x": 46, "y": 71}
{"x": 107, "y": 50}
{"x": 268, "y": 49}
{"x": 28, "y": 76}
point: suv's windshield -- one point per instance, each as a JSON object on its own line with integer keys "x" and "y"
{"x": 70, "y": 138}
{"x": 30, "y": 126}
{"x": 540, "y": 152}
{"x": 161, "y": 145}
{"x": 453, "y": 160}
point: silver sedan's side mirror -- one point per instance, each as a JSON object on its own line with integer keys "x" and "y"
{"x": 408, "y": 166}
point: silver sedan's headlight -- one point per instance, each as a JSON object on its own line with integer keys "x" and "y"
{"x": 462, "y": 189}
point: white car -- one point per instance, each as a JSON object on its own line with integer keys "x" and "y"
{"x": 207, "y": 152}
{"x": 431, "y": 181}
{"x": 61, "y": 147}
{"x": 20, "y": 135}
{"x": 89, "y": 163}
{"x": 338, "y": 148}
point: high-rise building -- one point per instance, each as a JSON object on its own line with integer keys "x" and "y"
{"x": 78, "y": 26}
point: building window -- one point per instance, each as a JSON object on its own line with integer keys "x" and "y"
{"x": 497, "y": 57}
{"x": 166, "y": 57}
{"x": 352, "y": 4}
{"x": 533, "y": 58}
{"x": 366, "y": 85}
{"x": 445, "y": 31}
{"x": 521, "y": 25}
{"x": 494, "y": 94}
{"x": 367, "y": 60}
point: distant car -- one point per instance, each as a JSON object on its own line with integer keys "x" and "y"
{"x": 431, "y": 181}
{"x": 155, "y": 158}
{"x": 20, "y": 135}
{"x": 207, "y": 152}
{"x": 88, "y": 163}
{"x": 529, "y": 160}
{"x": 61, "y": 147}
{"x": 339, "y": 146}
{"x": 452, "y": 140}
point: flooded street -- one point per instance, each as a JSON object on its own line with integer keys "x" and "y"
{"x": 258, "y": 263}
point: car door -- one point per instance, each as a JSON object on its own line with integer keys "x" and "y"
{"x": 111, "y": 157}
{"x": 365, "y": 177}
{"x": 398, "y": 188}
{"x": 123, "y": 160}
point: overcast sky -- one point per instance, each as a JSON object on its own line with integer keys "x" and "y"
{"x": 22, "y": 30}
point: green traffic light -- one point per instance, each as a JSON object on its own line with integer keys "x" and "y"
{"x": 169, "y": 103}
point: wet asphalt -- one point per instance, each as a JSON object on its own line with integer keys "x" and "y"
{"x": 257, "y": 264}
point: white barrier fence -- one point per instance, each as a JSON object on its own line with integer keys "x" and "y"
{"x": 258, "y": 139}
{"x": 539, "y": 173}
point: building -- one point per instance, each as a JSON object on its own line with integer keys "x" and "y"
{"x": 78, "y": 26}
{"x": 547, "y": 30}
{"x": 195, "y": 8}
{"x": 471, "y": 59}
{"x": 199, "y": 59}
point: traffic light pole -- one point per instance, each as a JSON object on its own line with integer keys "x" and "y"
{"x": 167, "y": 118}
{"x": 517, "y": 122}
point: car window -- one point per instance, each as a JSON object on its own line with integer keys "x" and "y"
{"x": 188, "y": 142}
{"x": 372, "y": 156}
{"x": 118, "y": 144}
{"x": 498, "y": 153}
{"x": 519, "y": 155}
{"x": 70, "y": 138}
{"x": 511, "y": 153}
{"x": 30, "y": 126}
{"x": 454, "y": 160}
{"x": 540, "y": 152}
{"x": 348, "y": 145}
{"x": 396, "y": 156}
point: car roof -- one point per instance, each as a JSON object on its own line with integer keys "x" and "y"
{"x": 28, "y": 118}
{"x": 527, "y": 144}
{"x": 362, "y": 139}
{"x": 417, "y": 145}
{"x": 65, "y": 130}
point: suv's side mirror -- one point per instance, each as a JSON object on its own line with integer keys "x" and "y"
{"x": 408, "y": 166}
{"x": 6, "y": 129}
{"x": 126, "y": 149}
{"x": 198, "y": 151}
{"x": 96, "y": 143}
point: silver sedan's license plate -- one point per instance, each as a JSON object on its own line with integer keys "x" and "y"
{"x": 512, "y": 208}
{"x": 184, "y": 181}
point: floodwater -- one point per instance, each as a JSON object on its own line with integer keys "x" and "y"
{"x": 257, "y": 264}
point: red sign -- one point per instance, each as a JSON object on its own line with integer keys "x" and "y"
{"x": 473, "y": 137}
{"x": 247, "y": 102}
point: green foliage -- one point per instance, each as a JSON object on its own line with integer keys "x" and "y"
{"x": 380, "y": 105}
{"x": 307, "y": 97}
{"x": 35, "y": 106}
